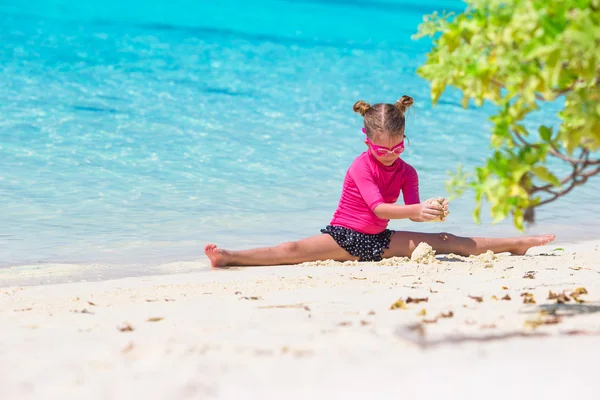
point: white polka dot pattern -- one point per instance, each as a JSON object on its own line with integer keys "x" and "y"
{"x": 368, "y": 247}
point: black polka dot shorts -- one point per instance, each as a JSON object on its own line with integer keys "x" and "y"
{"x": 368, "y": 247}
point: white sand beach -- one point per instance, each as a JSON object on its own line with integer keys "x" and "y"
{"x": 465, "y": 328}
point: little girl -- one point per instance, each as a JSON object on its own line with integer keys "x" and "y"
{"x": 358, "y": 230}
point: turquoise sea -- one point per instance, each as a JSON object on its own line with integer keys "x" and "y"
{"x": 133, "y": 133}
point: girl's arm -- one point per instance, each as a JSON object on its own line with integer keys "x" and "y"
{"x": 415, "y": 212}
{"x": 398, "y": 211}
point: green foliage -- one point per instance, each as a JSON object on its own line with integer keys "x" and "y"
{"x": 520, "y": 55}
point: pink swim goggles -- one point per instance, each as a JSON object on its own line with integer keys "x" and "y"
{"x": 383, "y": 151}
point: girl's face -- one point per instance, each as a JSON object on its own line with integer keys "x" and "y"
{"x": 386, "y": 148}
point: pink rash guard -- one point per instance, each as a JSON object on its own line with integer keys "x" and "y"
{"x": 369, "y": 183}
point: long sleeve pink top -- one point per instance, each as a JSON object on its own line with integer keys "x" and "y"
{"x": 369, "y": 183}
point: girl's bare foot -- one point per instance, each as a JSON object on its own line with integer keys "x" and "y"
{"x": 527, "y": 242}
{"x": 218, "y": 258}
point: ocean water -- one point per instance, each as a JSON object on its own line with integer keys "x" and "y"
{"x": 133, "y": 133}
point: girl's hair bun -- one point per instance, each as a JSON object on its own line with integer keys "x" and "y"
{"x": 361, "y": 107}
{"x": 404, "y": 103}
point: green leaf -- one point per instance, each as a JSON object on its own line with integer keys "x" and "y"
{"x": 543, "y": 174}
{"x": 477, "y": 213}
{"x": 518, "y": 219}
{"x": 545, "y": 133}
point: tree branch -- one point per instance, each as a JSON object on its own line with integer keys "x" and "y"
{"x": 578, "y": 177}
{"x": 591, "y": 173}
{"x": 556, "y": 153}
{"x": 521, "y": 139}
{"x": 579, "y": 165}
{"x": 563, "y": 181}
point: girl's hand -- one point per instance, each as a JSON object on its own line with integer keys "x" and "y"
{"x": 445, "y": 204}
{"x": 429, "y": 210}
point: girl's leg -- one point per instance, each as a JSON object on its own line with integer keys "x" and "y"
{"x": 321, "y": 247}
{"x": 403, "y": 244}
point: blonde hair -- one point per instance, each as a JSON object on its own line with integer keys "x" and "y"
{"x": 384, "y": 117}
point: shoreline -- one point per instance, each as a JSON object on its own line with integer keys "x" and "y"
{"x": 66, "y": 272}
{"x": 60, "y": 273}
{"x": 155, "y": 254}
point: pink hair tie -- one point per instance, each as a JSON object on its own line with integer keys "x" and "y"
{"x": 364, "y": 130}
